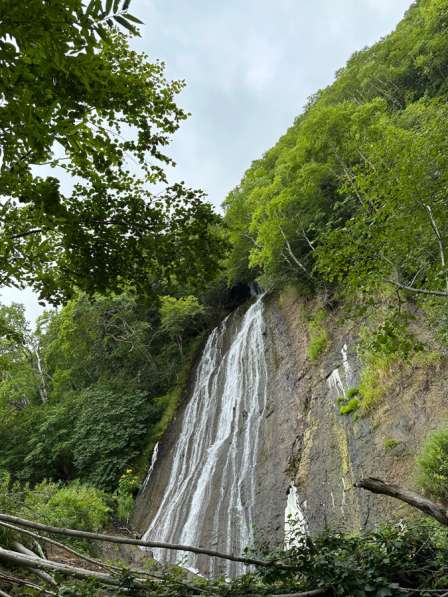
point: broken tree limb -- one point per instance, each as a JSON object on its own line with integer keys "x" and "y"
{"x": 415, "y": 500}
{"x": 15, "y": 580}
{"x": 105, "y": 566}
{"x": 44, "y": 575}
{"x": 129, "y": 541}
{"x": 81, "y": 573}
{"x": 3, "y": 594}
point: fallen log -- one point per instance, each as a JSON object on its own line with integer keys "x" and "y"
{"x": 415, "y": 500}
{"x": 129, "y": 541}
{"x": 44, "y": 575}
{"x": 81, "y": 573}
{"x": 15, "y": 580}
{"x": 100, "y": 564}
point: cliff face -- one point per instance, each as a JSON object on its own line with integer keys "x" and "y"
{"x": 331, "y": 451}
{"x": 305, "y": 441}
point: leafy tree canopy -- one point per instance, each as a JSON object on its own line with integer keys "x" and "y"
{"x": 77, "y": 107}
{"x": 354, "y": 195}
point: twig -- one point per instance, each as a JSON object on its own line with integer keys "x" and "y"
{"x": 418, "y": 290}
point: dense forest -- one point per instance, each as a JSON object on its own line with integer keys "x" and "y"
{"x": 349, "y": 207}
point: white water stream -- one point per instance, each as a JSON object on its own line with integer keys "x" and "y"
{"x": 210, "y": 495}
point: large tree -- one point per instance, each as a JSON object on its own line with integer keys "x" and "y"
{"x": 84, "y": 122}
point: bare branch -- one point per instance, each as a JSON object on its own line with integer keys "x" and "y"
{"x": 15, "y": 580}
{"x": 129, "y": 541}
{"x": 82, "y": 556}
{"x": 439, "y": 240}
{"x": 418, "y": 290}
{"x": 27, "y": 233}
{"x": 44, "y": 575}
{"x": 293, "y": 257}
{"x": 81, "y": 573}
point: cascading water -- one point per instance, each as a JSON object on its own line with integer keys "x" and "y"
{"x": 209, "y": 498}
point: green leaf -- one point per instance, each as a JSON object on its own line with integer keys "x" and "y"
{"x": 124, "y": 23}
{"x": 108, "y": 6}
{"x": 133, "y": 19}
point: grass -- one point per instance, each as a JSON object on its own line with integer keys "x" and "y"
{"x": 390, "y": 443}
{"x": 318, "y": 336}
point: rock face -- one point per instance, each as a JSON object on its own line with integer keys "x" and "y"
{"x": 331, "y": 452}
{"x": 299, "y": 444}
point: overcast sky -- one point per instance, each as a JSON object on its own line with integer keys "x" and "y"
{"x": 249, "y": 66}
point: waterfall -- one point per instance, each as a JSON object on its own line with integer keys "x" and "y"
{"x": 295, "y": 521}
{"x": 209, "y": 498}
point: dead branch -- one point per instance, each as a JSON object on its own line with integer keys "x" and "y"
{"x": 15, "y": 580}
{"x": 44, "y": 575}
{"x": 81, "y": 573}
{"x": 129, "y": 541}
{"x": 82, "y": 556}
{"x": 415, "y": 500}
{"x": 3, "y": 594}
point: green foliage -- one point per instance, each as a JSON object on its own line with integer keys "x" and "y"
{"x": 329, "y": 204}
{"x": 78, "y": 103}
{"x": 180, "y": 317}
{"x": 350, "y": 407}
{"x": 433, "y": 465}
{"x": 108, "y": 433}
{"x": 352, "y": 393}
{"x": 318, "y": 336}
{"x": 109, "y": 368}
{"x": 128, "y": 486}
{"x": 386, "y": 346}
{"x": 390, "y": 443}
{"x": 76, "y": 505}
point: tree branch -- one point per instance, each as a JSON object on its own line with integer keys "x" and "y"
{"x": 27, "y": 233}
{"x": 418, "y": 290}
{"x": 14, "y": 580}
{"x": 439, "y": 240}
{"x": 81, "y": 573}
{"x": 415, "y": 500}
{"x": 82, "y": 556}
{"x": 130, "y": 541}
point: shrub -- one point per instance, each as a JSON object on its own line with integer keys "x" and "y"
{"x": 390, "y": 443}
{"x": 433, "y": 465}
{"x": 128, "y": 486}
{"x": 352, "y": 393}
{"x": 75, "y": 505}
{"x": 318, "y": 337}
{"x": 351, "y": 406}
